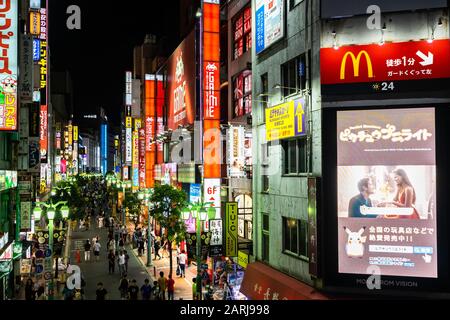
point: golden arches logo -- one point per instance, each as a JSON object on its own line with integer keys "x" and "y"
{"x": 356, "y": 61}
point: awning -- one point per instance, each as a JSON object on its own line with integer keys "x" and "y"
{"x": 262, "y": 282}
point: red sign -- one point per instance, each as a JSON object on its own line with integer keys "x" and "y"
{"x": 211, "y": 90}
{"x": 390, "y": 62}
{"x": 150, "y": 128}
{"x": 43, "y": 133}
{"x": 212, "y": 93}
{"x": 181, "y": 84}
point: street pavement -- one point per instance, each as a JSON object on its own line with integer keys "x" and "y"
{"x": 97, "y": 271}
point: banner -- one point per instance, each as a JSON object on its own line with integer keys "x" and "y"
{"x": 25, "y": 216}
{"x": 43, "y": 133}
{"x": 387, "y": 192}
{"x": 216, "y": 244}
{"x": 286, "y": 120}
{"x": 8, "y": 66}
{"x": 231, "y": 229}
{"x": 26, "y": 70}
{"x": 236, "y": 152}
{"x": 142, "y": 158}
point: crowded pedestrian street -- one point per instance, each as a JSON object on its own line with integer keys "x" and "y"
{"x": 241, "y": 151}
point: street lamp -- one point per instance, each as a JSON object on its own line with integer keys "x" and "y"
{"x": 51, "y": 212}
{"x": 200, "y": 214}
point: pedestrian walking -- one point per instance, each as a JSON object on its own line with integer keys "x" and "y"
{"x": 121, "y": 244}
{"x": 111, "y": 245}
{"x": 142, "y": 246}
{"x": 133, "y": 290}
{"x": 162, "y": 283}
{"x": 156, "y": 291}
{"x": 156, "y": 247}
{"x": 101, "y": 292}
{"x": 182, "y": 260}
{"x": 170, "y": 287}
{"x": 165, "y": 246}
{"x": 123, "y": 288}
{"x": 121, "y": 261}
{"x": 29, "y": 290}
{"x": 87, "y": 251}
{"x": 127, "y": 258}
{"x": 111, "y": 262}
{"x": 97, "y": 248}
{"x": 146, "y": 290}
{"x": 100, "y": 222}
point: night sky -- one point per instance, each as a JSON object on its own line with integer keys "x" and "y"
{"x": 98, "y": 55}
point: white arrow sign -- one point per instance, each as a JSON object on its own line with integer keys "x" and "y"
{"x": 427, "y": 60}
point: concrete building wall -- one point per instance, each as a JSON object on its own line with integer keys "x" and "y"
{"x": 287, "y": 196}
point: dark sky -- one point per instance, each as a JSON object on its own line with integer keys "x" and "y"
{"x": 98, "y": 55}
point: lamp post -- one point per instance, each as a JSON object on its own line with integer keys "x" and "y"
{"x": 146, "y": 196}
{"x": 200, "y": 214}
{"x": 51, "y": 212}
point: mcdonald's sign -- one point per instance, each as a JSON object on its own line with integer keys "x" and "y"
{"x": 356, "y": 63}
{"x": 391, "y": 62}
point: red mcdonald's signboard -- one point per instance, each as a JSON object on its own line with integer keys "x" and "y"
{"x": 392, "y": 67}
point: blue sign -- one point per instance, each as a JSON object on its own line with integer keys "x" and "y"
{"x": 104, "y": 148}
{"x": 36, "y": 50}
{"x": 195, "y": 192}
{"x": 260, "y": 30}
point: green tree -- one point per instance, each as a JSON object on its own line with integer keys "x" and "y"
{"x": 133, "y": 204}
{"x": 168, "y": 203}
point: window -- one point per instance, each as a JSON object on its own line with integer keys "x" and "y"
{"x": 293, "y": 4}
{"x": 242, "y": 27}
{"x": 264, "y": 93}
{"x": 293, "y": 75}
{"x": 242, "y": 88}
{"x": 265, "y": 167}
{"x": 295, "y": 156}
{"x": 265, "y": 238}
{"x": 295, "y": 237}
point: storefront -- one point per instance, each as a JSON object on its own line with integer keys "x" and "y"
{"x": 6, "y": 268}
{"x": 228, "y": 275}
{"x": 262, "y": 282}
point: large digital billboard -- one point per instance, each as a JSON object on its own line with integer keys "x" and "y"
{"x": 181, "y": 84}
{"x": 386, "y": 199}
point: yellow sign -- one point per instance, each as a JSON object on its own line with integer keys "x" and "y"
{"x": 128, "y": 122}
{"x": 35, "y": 23}
{"x": 137, "y": 124}
{"x": 286, "y": 120}
{"x": 243, "y": 259}
{"x": 75, "y": 133}
{"x": 70, "y": 135}
{"x": 231, "y": 227}
{"x": 356, "y": 61}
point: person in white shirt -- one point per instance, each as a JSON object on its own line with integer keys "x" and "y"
{"x": 121, "y": 261}
{"x": 183, "y": 259}
{"x": 97, "y": 248}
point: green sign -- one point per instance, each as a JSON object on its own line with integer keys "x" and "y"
{"x": 186, "y": 173}
{"x": 231, "y": 229}
{"x": 243, "y": 259}
{"x": 8, "y": 179}
{"x": 17, "y": 250}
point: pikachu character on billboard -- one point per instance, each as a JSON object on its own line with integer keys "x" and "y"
{"x": 355, "y": 243}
